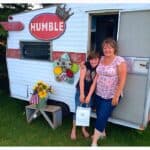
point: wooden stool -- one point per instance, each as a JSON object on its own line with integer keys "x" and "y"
{"x": 32, "y": 111}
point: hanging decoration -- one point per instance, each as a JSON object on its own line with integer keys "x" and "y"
{"x": 64, "y": 69}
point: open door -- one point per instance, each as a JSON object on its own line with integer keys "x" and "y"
{"x": 103, "y": 25}
{"x": 134, "y": 33}
{"x": 134, "y": 44}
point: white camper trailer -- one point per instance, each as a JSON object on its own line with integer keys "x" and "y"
{"x": 30, "y": 59}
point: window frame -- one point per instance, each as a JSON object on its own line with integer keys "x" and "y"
{"x": 49, "y": 43}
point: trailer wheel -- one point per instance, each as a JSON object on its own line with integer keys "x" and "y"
{"x": 64, "y": 107}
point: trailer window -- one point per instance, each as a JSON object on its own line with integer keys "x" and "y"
{"x": 35, "y": 50}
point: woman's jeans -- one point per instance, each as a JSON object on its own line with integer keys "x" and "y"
{"x": 77, "y": 103}
{"x": 104, "y": 109}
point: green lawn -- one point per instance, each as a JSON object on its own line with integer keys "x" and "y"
{"x": 15, "y": 131}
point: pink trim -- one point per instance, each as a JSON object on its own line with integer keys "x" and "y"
{"x": 13, "y": 53}
{"x": 75, "y": 57}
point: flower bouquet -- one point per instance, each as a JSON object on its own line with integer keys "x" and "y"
{"x": 64, "y": 69}
{"x": 40, "y": 94}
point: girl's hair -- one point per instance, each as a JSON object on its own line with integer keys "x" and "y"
{"x": 112, "y": 43}
{"x": 92, "y": 55}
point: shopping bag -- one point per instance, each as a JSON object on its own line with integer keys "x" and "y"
{"x": 83, "y": 116}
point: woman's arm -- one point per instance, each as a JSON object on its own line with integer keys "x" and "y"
{"x": 122, "y": 73}
{"x": 92, "y": 89}
{"x": 81, "y": 83}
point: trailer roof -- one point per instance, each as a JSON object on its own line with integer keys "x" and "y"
{"x": 95, "y": 6}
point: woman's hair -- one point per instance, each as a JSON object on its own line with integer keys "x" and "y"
{"x": 92, "y": 55}
{"x": 112, "y": 43}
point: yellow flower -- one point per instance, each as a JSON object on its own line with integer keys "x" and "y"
{"x": 42, "y": 94}
{"x": 57, "y": 70}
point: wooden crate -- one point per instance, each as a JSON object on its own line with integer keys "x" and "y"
{"x": 32, "y": 113}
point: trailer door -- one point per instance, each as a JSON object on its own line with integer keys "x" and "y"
{"x": 134, "y": 33}
{"x": 134, "y": 44}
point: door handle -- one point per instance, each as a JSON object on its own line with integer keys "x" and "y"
{"x": 145, "y": 65}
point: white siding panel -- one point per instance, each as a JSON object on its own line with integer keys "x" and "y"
{"x": 18, "y": 90}
{"x": 16, "y": 36}
{"x": 76, "y": 34}
{"x": 74, "y": 38}
{"x": 25, "y": 73}
{"x": 64, "y": 92}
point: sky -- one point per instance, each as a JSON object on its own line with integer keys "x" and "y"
{"x": 72, "y": 1}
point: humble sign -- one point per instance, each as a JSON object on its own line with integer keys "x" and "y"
{"x": 47, "y": 26}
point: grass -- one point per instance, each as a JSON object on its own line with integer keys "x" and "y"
{"x": 15, "y": 131}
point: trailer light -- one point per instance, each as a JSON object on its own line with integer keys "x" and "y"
{"x": 10, "y": 17}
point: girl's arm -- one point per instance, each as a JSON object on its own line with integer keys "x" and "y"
{"x": 122, "y": 73}
{"x": 81, "y": 83}
{"x": 92, "y": 89}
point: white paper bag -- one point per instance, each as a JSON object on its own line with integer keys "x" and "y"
{"x": 83, "y": 116}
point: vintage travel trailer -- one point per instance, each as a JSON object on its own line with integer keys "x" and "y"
{"x": 37, "y": 38}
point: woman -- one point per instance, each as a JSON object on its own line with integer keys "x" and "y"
{"x": 109, "y": 83}
{"x": 87, "y": 75}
